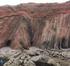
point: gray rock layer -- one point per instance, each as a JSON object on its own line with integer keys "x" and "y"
{"x": 33, "y": 55}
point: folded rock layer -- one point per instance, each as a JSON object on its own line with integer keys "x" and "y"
{"x": 42, "y": 25}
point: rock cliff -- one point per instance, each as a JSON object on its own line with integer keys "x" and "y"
{"x": 41, "y": 25}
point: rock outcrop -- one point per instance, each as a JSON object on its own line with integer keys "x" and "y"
{"x": 9, "y": 23}
{"x": 41, "y": 25}
{"x": 49, "y": 26}
{"x": 38, "y": 34}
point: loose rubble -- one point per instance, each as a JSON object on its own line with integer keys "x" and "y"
{"x": 33, "y": 55}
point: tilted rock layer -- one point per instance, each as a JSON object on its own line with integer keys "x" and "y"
{"x": 42, "y": 25}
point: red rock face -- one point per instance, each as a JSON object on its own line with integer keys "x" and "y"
{"x": 21, "y": 37}
{"x": 9, "y": 23}
{"x": 42, "y": 25}
{"x": 6, "y": 28}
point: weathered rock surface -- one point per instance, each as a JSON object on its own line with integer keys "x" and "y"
{"x": 40, "y": 25}
{"x": 49, "y": 26}
{"x": 8, "y": 27}
{"x": 33, "y": 57}
{"x": 43, "y": 29}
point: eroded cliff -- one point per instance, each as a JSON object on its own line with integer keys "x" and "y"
{"x": 42, "y": 25}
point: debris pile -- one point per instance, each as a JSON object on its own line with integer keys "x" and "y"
{"x": 35, "y": 57}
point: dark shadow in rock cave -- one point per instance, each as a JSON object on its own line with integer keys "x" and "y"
{"x": 8, "y": 43}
